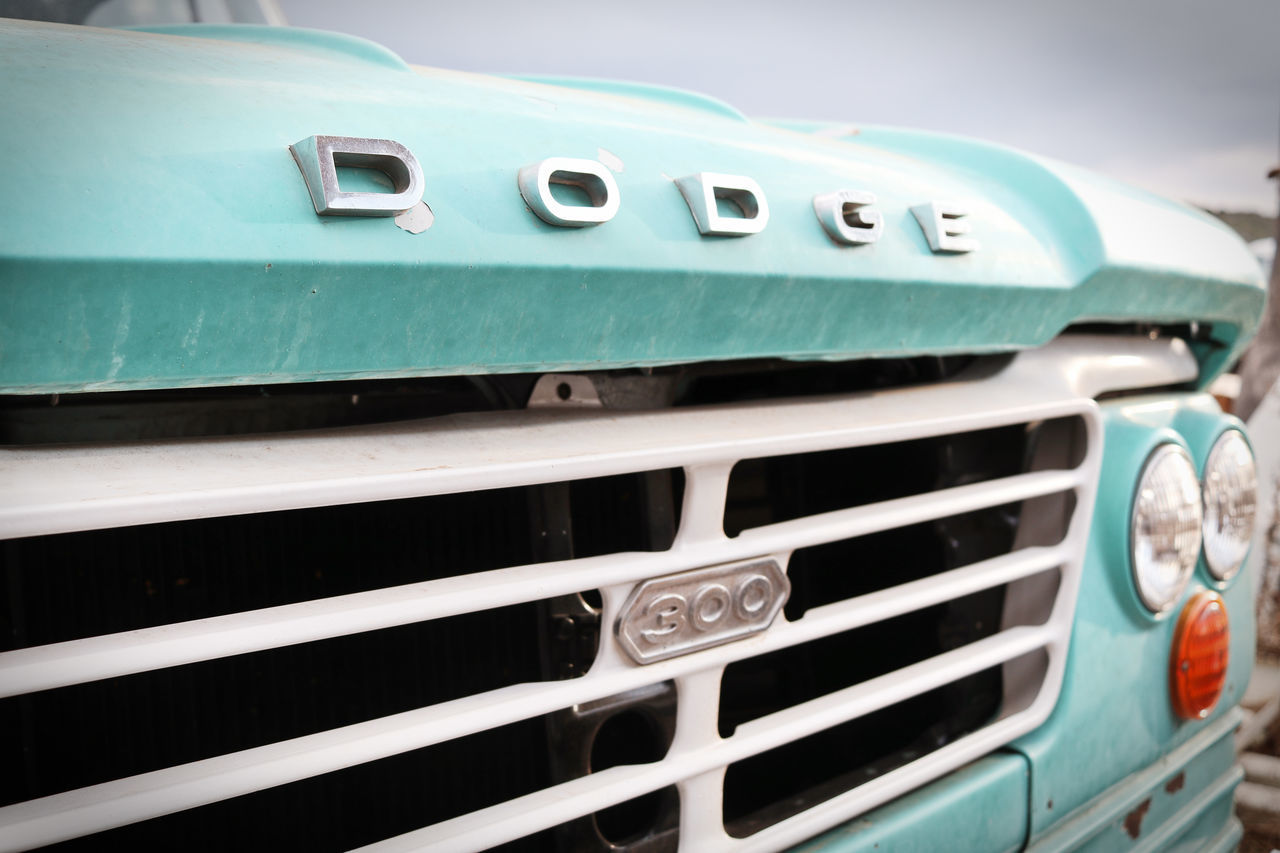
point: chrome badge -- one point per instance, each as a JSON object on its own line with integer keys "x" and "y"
{"x": 671, "y": 616}
{"x": 943, "y": 227}
{"x": 589, "y": 176}
{"x": 320, "y": 156}
{"x": 849, "y": 217}
{"x": 701, "y": 192}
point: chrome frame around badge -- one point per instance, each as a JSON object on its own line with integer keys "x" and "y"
{"x": 690, "y": 611}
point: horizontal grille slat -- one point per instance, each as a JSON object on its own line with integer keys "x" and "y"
{"x": 182, "y": 787}
{"x": 767, "y": 788}
{"x": 77, "y": 487}
{"x": 353, "y": 806}
{"x": 57, "y": 665}
{"x": 101, "y": 730}
{"x": 543, "y": 809}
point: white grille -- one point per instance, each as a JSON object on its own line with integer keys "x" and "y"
{"x": 60, "y": 489}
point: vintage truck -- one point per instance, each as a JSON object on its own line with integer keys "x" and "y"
{"x": 403, "y": 459}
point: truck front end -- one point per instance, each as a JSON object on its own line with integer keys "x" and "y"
{"x": 404, "y": 459}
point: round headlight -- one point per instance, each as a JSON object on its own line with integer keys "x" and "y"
{"x": 1165, "y": 533}
{"x": 1230, "y": 504}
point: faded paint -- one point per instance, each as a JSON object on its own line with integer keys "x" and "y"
{"x": 613, "y": 161}
{"x": 118, "y": 350}
{"x": 224, "y": 196}
{"x": 192, "y": 337}
{"x": 416, "y": 219}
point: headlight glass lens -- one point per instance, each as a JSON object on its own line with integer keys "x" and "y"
{"x": 1230, "y": 504}
{"x": 1165, "y": 531}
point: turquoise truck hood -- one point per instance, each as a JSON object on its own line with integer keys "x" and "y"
{"x": 158, "y": 233}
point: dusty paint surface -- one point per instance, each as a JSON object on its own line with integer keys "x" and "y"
{"x": 201, "y": 260}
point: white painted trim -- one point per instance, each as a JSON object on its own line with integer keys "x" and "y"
{"x": 62, "y": 488}
{"x": 55, "y": 489}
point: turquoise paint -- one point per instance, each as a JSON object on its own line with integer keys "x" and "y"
{"x": 1175, "y": 800}
{"x": 1202, "y": 822}
{"x": 1114, "y": 716}
{"x": 166, "y": 238}
{"x": 980, "y": 806}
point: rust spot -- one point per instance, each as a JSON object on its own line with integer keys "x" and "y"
{"x": 1133, "y": 821}
{"x": 1175, "y": 784}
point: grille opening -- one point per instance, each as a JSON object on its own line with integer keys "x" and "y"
{"x": 633, "y": 727}
{"x": 551, "y": 522}
{"x": 767, "y": 788}
{"x": 628, "y": 737}
{"x": 88, "y": 733}
{"x": 241, "y": 410}
{"x": 190, "y": 412}
{"x": 582, "y": 835}
{"x": 732, "y": 382}
{"x": 1023, "y": 678}
{"x": 825, "y": 574}
{"x": 1060, "y": 443}
{"x": 640, "y": 819}
{"x": 358, "y": 805}
{"x": 1030, "y": 601}
{"x": 780, "y": 488}
{"x": 73, "y": 585}
{"x": 755, "y": 687}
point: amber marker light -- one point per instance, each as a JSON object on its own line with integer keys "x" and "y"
{"x": 1199, "y": 661}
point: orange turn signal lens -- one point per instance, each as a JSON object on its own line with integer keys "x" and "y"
{"x": 1199, "y": 661}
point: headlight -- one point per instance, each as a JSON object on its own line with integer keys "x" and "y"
{"x": 1230, "y": 504}
{"x": 1165, "y": 532}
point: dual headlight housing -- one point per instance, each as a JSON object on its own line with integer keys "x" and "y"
{"x": 1175, "y": 514}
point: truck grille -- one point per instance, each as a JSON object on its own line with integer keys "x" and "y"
{"x": 401, "y": 635}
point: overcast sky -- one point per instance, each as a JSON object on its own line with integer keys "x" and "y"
{"x": 1180, "y": 96}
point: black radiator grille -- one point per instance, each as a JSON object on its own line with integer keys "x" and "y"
{"x": 359, "y": 805}
{"x": 73, "y": 585}
{"x": 69, "y": 586}
{"x": 761, "y": 685}
{"x": 103, "y": 730}
{"x": 774, "y": 785}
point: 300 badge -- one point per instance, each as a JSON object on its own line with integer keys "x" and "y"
{"x": 695, "y": 610}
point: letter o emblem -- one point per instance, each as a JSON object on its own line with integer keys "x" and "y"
{"x": 710, "y": 606}
{"x": 753, "y": 596}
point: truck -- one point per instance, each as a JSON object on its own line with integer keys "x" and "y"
{"x": 403, "y": 459}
